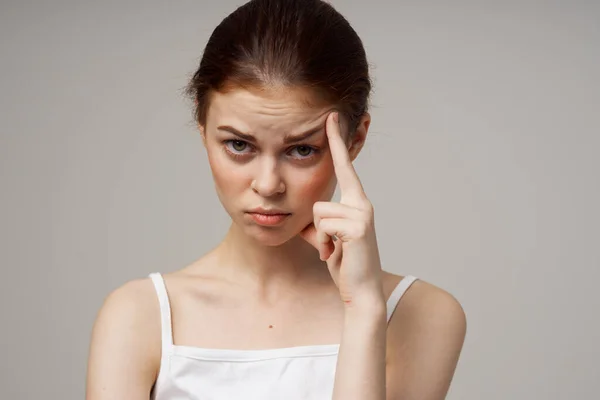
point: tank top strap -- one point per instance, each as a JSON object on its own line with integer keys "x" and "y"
{"x": 165, "y": 312}
{"x": 397, "y": 294}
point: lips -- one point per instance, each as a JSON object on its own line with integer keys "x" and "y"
{"x": 272, "y": 219}
{"x": 268, "y": 211}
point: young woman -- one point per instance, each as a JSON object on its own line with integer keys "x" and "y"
{"x": 293, "y": 303}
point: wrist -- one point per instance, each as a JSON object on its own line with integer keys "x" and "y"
{"x": 364, "y": 322}
{"x": 366, "y": 308}
{"x": 367, "y": 300}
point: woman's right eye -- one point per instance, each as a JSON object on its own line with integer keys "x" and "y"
{"x": 236, "y": 145}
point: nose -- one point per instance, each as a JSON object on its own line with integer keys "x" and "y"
{"x": 268, "y": 181}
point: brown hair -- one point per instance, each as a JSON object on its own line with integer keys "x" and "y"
{"x": 271, "y": 43}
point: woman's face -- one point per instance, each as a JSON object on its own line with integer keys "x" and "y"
{"x": 260, "y": 160}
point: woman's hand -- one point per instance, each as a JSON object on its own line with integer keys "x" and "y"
{"x": 344, "y": 232}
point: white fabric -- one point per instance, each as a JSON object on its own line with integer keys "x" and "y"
{"x": 291, "y": 373}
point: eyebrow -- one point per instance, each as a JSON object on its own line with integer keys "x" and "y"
{"x": 287, "y": 138}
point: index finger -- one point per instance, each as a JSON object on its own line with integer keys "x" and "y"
{"x": 342, "y": 164}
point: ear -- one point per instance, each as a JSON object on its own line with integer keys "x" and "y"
{"x": 202, "y": 130}
{"x": 360, "y": 136}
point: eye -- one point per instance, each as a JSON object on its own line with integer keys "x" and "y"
{"x": 239, "y": 149}
{"x": 305, "y": 152}
{"x": 236, "y": 146}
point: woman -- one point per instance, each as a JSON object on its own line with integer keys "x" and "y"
{"x": 293, "y": 303}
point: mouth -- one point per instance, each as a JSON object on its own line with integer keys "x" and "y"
{"x": 268, "y": 218}
{"x": 269, "y": 211}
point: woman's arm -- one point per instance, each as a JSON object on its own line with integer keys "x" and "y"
{"x": 360, "y": 371}
{"x": 425, "y": 338}
{"x": 125, "y": 347}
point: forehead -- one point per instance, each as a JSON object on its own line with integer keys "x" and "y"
{"x": 270, "y": 111}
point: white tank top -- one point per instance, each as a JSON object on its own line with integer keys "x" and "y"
{"x": 290, "y": 373}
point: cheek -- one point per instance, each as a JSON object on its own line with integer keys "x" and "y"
{"x": 319, "y": 184}
{"x": 226, "y": 177}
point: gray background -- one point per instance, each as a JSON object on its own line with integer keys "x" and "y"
{"x": 481, "y": 163}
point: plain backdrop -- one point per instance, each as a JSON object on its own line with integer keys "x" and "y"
{"x": 482, "y": 164}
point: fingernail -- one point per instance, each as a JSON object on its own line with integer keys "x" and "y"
{"x": 336, "y": 117}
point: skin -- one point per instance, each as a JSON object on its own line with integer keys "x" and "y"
{"x": 293, "y": 276}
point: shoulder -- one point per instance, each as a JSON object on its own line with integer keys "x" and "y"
{"x": 426, "y": 303}
{"x": 126, "y": 338}
{"x": 135, "y": 302}
{"x": 428, "y": 328}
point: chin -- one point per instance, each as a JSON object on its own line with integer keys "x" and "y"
{"x": 270, "y": 235}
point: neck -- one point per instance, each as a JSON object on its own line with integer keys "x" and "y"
{"x": 269, "y": 268}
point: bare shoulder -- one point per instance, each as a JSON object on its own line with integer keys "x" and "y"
{"x": 132, "y": 311}
{"x": 425, "y": 302}
{"x": 125, "y": 346}
{"x": 425, "y": 337}
{"x": 135, "y": 293}
{"x": 132, "y": 305}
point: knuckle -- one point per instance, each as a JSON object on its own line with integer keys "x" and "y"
{"x": 318, "y": 206}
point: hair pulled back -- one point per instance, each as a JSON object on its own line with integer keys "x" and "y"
{"x": 285, "y": 43}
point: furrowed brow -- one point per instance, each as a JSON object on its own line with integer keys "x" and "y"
{"x": 287, "y": 139}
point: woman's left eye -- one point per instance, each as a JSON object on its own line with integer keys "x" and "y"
{"x": 305, "y": 151}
